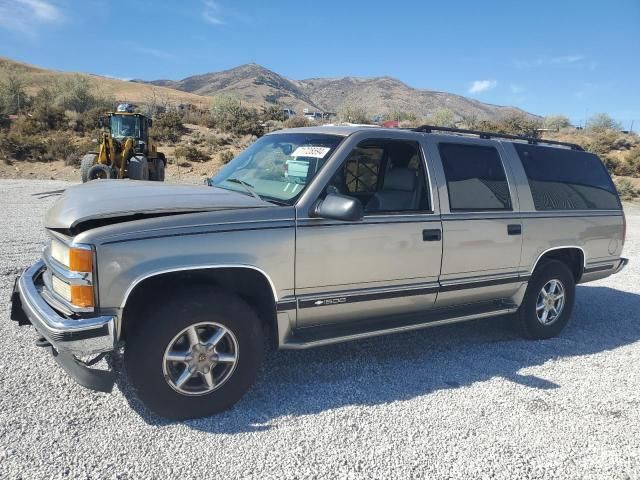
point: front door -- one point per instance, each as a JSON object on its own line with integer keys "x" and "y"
{"x": 390, "y": 261}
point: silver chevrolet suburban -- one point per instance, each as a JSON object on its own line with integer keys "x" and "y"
{"x": 395, "y": 230}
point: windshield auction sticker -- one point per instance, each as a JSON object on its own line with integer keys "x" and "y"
{"x": 310, "y": 151}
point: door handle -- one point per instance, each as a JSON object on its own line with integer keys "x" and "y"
{"x": 432, "y": 235}
{"x": 515, "y": 229}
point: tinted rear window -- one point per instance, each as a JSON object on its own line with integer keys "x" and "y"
{"x": 562, "y": 179}
{"x": 475, "y": 178}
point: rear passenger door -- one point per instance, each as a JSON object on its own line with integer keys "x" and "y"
{"x": 482, "y": 229}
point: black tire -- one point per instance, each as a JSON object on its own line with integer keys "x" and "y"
{"x": 87, "y": 162}
{"x": 155, "y": 327}
{"x": 99, "y": 172}
{"x": 138, "y": 168}
{"x": 530, "y": 325}
{"x": 157, "y": 172}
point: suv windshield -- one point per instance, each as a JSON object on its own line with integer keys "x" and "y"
{"x": 125, "y": 126}
{"x": 278, "y": 167}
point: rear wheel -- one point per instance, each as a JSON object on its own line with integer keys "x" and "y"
{"x": 99, "y": 172}
{"x": 549, "y": 300}
{"x": 157, "y": 172}
{"x": 195, "y": 354}
{"x": 85, "y": 165}
{"x": 138, "y": 168}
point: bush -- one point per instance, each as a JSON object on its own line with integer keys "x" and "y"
{"x": 273, "y": 112}
{"x": 626, "y": 190}
{"x": 191, "y": 154}
{"x": 226, "y": 156}
{"x": 168, "y": 127}
{"x": 60, "y": 147}
{"x": 353, "y": 113}
{"x": 17, "y": 146}
{"x": 43, "y": 111}
{"x": 443, "y": 118}
{"x": 514, "y": 124}
{"x": 633, "y": 159}
{"x": 13, "y": 98}
{"x": 601, "y": 122}
{"x": 296, "y": 122}
{"x": 556, "y": 122}
{"x": 77, "y": 93}
{"x": 601, "y": 142}
{"x": 229, "y": 115}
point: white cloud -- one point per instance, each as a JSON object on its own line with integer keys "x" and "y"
{"x": 154, "y": 52}
{"x": 212, "y": 13}
{"x": 567, "y": 59}
{"x": 479, "y": 86}
{"x": 26, "y": 16}
{"x": 544, "y": 61}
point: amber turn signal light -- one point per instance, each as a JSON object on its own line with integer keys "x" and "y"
{"x": 82, "y": 295}
{"x": 80, "y": 260}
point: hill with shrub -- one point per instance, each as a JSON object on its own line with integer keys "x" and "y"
{"x": 47, "y": 124}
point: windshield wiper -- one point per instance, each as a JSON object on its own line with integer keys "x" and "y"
{"x": 247, "y": 186}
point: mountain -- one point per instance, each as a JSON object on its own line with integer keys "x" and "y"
{"x": 253, "y": 83}
{"x": 258, "y": 86}
{"x": 36, "y": 78}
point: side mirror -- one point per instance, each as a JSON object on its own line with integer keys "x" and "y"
{"x": 102, "y": 122}
{"x": 339, "y": 207}
{"x": 150, "y": 123}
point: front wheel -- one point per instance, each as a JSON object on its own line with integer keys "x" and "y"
{"x": 88, "y": 161}
{"x": 99, "y": 171}
{"x": 195, "y": 354}
{"x": 548, "y": 303}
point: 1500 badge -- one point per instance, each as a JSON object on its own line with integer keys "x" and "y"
{"x": 330, "y": 301}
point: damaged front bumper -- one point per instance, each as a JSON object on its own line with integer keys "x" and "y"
{"x": 69, "y": 338}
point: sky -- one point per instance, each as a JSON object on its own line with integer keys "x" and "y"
{"x": 571, "y": 57}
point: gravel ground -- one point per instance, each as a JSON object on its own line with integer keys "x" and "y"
{"x": 463, "y": 401}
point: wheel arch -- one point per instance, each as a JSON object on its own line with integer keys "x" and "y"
{"x": 571, "y": 255}
{"x": 250, "y": 283}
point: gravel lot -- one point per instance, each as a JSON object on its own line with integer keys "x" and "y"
{"x": 463, "y": 401}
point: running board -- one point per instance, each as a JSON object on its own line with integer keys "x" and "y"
{"x": 310, "y": 337}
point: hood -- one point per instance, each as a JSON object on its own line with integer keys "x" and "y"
{"x": 110, "y": 201}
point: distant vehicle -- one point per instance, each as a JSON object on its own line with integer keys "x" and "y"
{"x": 378, "y": 118}
{"x": 287, "y": 113}
{"x": 314, "y": 116}
{"x": 391, "y": 124}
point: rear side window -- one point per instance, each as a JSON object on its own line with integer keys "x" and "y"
{"x": 475, "y": 178}
{"x": 562, "y": 179}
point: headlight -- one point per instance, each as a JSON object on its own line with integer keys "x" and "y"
{"x": 77, "y": 258}
{"x": 76, "y": 290}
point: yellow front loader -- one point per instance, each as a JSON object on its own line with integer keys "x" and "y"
{"x": 126, "y": 149}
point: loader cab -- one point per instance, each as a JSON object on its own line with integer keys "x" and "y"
{"x": 128, "y": 125}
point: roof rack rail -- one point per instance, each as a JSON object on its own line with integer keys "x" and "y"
{"x": 488, "y": 135}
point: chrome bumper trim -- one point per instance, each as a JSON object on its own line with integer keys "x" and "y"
{"x": 80, "y": 337}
